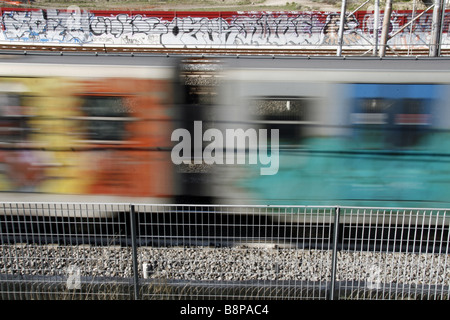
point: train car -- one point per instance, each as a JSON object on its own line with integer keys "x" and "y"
{"x": 83, "y": 128}
{"x": 284, "y": 131}
{"x": 351, "y": 132}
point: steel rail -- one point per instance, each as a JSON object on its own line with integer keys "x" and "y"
{"x": 422, "y": 51}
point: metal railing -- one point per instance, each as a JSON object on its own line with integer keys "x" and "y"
{"x": 137, "y": 251}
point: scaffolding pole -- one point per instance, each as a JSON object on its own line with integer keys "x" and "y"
{"x": 436, "y": 28}
{"x": 385, "y": 30}
{"x": 341, "y": 27}
{"x": 376, "y": 21}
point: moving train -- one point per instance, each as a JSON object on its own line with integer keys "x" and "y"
{"x": 225, "y": 130}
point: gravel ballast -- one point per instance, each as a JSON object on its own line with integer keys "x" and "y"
{"x": 240, "y": 263}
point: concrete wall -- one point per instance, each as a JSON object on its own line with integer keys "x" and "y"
{"x": 73, "y": 26}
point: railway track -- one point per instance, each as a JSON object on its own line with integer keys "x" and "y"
{"x": 216, "y": 51}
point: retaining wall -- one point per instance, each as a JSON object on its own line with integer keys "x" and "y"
{"x": 74, "y": 26}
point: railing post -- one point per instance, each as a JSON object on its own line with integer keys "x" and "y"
{"x": 134, "y": 251}
{"x": 334, "y": 253}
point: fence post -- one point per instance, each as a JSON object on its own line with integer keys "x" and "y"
{"x": 134, "y": 251}
{"x": 334, "y": 253}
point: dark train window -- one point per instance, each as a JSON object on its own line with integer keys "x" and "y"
{"x": 106, "y": 118}
{"x": 285, "y": 114}
{"x": 369, "y": 120}
{"x": 13, "y": 123}
{"x": 411, "y": 122}
{"x": 390, "y": 123}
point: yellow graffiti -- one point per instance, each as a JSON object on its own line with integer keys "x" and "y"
{"x": 45, "y": 161}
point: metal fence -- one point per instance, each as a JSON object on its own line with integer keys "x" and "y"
{"x": 127, "y": 251}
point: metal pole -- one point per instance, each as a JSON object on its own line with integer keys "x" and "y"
{"x": 353, "y": 12}
{"x": 412, "y": 27}
{"x": 444, "y": 3}
{"x": 385, "y": 30}
{"x": 341, "y": 27}
{"x": 134, "y": 252}
{"x": 409, "y": 23}
{"x": 334, "y": 253}
{"x": 436, "y": 28}
{"x": 376, "y": 21}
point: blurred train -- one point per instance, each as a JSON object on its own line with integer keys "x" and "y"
{"x": 351, "y": 132}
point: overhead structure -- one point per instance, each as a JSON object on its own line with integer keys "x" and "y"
{"x": 436, "y": 29}
{"x": 380, "y": 43}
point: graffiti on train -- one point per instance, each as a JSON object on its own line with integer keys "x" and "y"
{"x": 247, "y": 28}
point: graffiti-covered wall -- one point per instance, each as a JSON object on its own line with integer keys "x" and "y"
{"x": 207, "y": 28}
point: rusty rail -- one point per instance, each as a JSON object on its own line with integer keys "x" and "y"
{"x": 422, "y": 51}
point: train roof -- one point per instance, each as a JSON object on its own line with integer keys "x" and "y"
{"x": 341, "y": 63}
{"x": 11, "y": 63}
{"x": 91, "y": 58}
{"x": 248, "y": 61}
{"x": 81, "y": 65}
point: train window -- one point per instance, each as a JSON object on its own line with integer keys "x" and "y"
{"x": 370, "y": 120}
{"x": 283, "y": 113}
{"x": 106, "y": 118}
{"x": 13, "y": 123}
{"x": 104, "y": 106}
{"x": 411, "y": 121}
{"x": 390, "y": 123}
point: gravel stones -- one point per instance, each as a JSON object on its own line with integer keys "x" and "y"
{"x": 240, "y": 263}
{"x": 234, "y": 264}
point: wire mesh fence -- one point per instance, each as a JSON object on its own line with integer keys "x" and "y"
{"x": 64, "y": 251}
{"x": 126, "y": 251}
{"x": 394, "y": 254}
{"x": 209, "y": 252}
